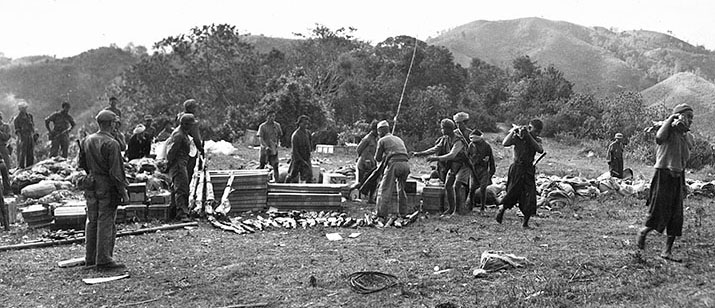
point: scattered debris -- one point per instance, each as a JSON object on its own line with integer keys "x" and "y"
{"x": 104, "y": 279}
{"x": 370, "y": 282}
{"x": 333, "y": 236}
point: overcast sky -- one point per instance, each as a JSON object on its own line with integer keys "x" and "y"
{"x": 65, "y": 28}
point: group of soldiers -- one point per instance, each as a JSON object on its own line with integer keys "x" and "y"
{"x": 465, "y": 164}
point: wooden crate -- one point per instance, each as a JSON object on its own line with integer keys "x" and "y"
{"x": 160, "y": 212}
{"x": 37, "y": 216}
{"x": 433, "y": 199}
{"x": 135, "y": 212}
{"x": 160, "y": 198}
{"x": 137, "y": 192}
{"x": 305, "y": 201}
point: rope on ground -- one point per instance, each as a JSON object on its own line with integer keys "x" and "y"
{"x": 370, "y": 282}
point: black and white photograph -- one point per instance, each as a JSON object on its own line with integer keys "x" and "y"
{"x": 300, "y": 154}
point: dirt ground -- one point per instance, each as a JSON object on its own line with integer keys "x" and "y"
{"x": 580, "y": 256}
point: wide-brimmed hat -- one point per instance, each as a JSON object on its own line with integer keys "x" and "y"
{"x": 618, "y": 136}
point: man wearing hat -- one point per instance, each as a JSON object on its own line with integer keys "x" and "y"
{"x": 59, "y": 134}
{"x": 665, "y": 202}
{"x": 391, "y": 150}
{"x": 104, "y": 188}
{"x": 301, "y": 143}
{"x": 25, "y": 131}
{"x": 177, "y": 158}
{"x": 467, "y": 177}
{"x": 191, "y": 106}
{"x": 139, "y": 144}
{"x": 615, "y": 156}
{"x": 454, "y": 157}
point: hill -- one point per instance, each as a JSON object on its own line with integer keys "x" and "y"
{"x": 595, "y": 59}
{"x": 45, "y": 82}
{"x": 686, "y": 88}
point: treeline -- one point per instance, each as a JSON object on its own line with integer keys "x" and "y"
{"x": 342, "y": 82}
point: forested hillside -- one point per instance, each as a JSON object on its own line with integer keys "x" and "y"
{"x": 46, "y": 82}
{"x": 594, "y": 59}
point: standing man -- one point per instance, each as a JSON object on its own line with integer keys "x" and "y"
{"x": 665, "y": 202}
{"x": 482, "y": 160}
{"x": 25, "y": 131}
{"x": 521, "y": 181}
{"x": 391, "y": 150}
{"x": 104, "y": 189}
{"x": 366, "y": 163}
{"x": 615, "y": 156}
{"x": 269, "y": 133}
{"x": 59, "y": 134}
{"x": 300, "y": 164}
{"x": 177, "y": 158}
{"x": 191, "y": 106}
{"x": 459, "y": 170}
{"x": 6, "y": 165}
{"x": 116, "y": 131}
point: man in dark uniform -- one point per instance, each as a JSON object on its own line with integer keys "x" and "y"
{"x": 269, "y": 133}
{"x": 366, "y": 163}
{"x": 300, "y": 163}
{"x": 615, "y": 156}
{"x": 117, "y": 131}
{"x": 104, "y": 188}
{"x": 59, "y": 134}
{"x": 191, "y": 106}
{"x": 177, "y": 158}
{"x": 25, "y": 131}
{"x": 521, "y": 181}
{"x": 667, "y": 189}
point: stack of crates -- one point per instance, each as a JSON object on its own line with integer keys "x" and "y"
{"x": 136, "y": 210}
{"x": 73, "y": 215}
{"x": 160, "y": 207}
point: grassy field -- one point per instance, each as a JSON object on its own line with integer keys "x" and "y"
{"x": 581, "y": 256}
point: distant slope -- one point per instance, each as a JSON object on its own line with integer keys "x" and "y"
{"x": 264, "y": 44}
{"x": 594, "y": 59}
{"x": 687, "y": 88}
{"x": 46, "y": 82}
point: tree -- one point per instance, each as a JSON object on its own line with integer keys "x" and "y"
{"x": 291, "y": 96}
{"x": 212, "y": 64}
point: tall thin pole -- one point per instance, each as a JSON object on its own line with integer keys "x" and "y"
{"x": 404, "y": 87}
